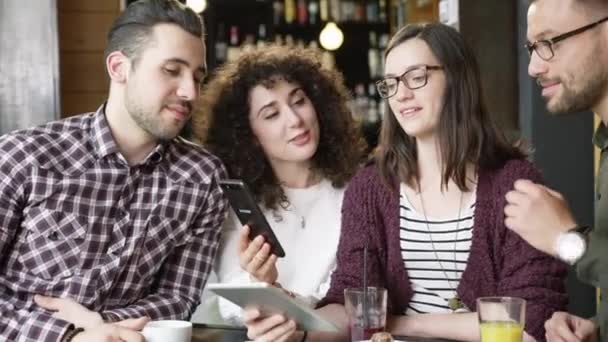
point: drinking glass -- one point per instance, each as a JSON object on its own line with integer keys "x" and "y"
{"x": 362, "y": 327}
{"x": 501, "y": 319}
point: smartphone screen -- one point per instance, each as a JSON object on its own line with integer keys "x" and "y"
{"x": 249, "y": 213}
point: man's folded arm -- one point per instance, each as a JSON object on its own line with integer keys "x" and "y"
{"x": 25, "y": 326}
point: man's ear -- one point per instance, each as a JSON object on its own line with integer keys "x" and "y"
{"x": 117, "y": 65}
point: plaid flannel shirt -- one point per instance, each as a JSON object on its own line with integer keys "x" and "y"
{"x": 77, "y": 221}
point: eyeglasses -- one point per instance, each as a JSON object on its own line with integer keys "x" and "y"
{"x": 544, "y": 48}
{"x": 413, "y": 79}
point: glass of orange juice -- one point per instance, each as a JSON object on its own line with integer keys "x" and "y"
{"x": 501, "y": 319}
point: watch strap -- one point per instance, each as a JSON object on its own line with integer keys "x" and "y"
{"x": 71, "y": 333}
{"x": 583, "y": 230}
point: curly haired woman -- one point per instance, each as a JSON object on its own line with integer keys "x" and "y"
{"x": 280, "y": 121}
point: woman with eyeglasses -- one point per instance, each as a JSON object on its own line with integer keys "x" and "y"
{"x": 429, "y": 210}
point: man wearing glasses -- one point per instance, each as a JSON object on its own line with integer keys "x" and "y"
{"x": 568, "y": 46}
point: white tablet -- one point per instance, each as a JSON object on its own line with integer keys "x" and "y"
{"x": 271, "y": 300}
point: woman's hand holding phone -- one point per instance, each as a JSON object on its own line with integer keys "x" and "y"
{"x": 255, "y": 257}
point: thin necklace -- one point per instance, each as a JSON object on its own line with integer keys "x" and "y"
{"x": 291, "y": 208}
{"x": 298, "y": 215}
{"x": 301, "y": 217}
{"x": 454, "y": 303}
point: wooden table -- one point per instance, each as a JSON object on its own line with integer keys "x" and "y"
{"x": 221, "y": 333}
{"x": 217, "y": 333}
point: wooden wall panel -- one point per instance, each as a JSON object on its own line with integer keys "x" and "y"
{"x": 84, "y": 102}
{"x": 83, "y": 26}
{"x": 83, "y": 72}
{"x": 84, "y": 31}
{"x": 88, "y": 6}
{"x": 422, "y": 11}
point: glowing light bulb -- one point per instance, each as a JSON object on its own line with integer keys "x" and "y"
{"x": 331, "y": 37}
{"x": 197, "y": 5}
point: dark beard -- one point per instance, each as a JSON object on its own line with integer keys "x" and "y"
{"x": 577, "y": 101}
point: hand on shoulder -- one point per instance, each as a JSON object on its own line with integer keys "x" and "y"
{"x": 538, "y": 214}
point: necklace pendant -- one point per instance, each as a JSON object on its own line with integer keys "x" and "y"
{"x": 455, "y": 304}
{"x": 302, "y": 222}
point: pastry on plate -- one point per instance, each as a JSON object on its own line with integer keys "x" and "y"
{"x": 381, "y": 337}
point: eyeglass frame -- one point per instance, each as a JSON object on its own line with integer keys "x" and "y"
{"x": 402, "y": 80}
{"x": 531, "y": 47}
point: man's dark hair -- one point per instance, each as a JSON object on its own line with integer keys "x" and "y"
{"x": 132, "y": 30}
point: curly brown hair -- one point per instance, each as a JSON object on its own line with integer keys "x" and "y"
{"x": 222, "y": 121}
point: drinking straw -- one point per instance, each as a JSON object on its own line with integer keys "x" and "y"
{"x": 365, "y": 320}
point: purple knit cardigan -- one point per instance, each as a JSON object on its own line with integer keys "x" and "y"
{"x": 500, "y": 262}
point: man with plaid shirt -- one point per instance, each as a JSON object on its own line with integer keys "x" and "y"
{"x": 107, "y": 219}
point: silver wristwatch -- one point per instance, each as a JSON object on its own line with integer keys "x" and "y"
{"x": 571, "y": 245}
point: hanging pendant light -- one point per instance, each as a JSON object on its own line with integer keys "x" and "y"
{"x": 331, "y": 37}
{"x": 197, "y": 6}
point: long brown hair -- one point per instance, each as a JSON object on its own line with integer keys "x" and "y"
{"x": 466, "y": 132}
{"x": 223, "y": 126}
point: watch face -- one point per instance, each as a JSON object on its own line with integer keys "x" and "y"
{"x": 571, "y": 246}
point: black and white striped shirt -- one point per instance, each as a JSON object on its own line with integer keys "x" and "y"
{"x": 435, "y": 253}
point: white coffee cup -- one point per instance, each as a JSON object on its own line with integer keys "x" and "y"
{"x": 168, "y": 331}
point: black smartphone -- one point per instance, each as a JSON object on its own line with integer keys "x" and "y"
{"x": 249, "y": 213}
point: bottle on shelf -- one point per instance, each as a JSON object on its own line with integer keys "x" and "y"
{"x": 234, "y": 50}
{"x": 382, "y": 13}
{"x": 383, "y": 41}
{"x": 324, "y": 10}
{"x": 373, "y": 112}
{"x": 382, "y": 109}
{"x": 361, "y": 103}
{"x": 334, "y": 11}
{"x": 302, "y": 12}
{"x": 313, "y": 45}
{"x": 289, "y": 41}
{"x": 371, "y": 11}
{"x": 347, "y": 10}
{"x": 262, "y": 36}
{"x": 248, "y": 43}
{"x": 278, "y": 12}
{"x": 290, "y": 11}
{"x": 328, "y": 60}
{"x": 359, "y": 14}
{"x": 374, "y": 56}
{"x": 221, "y": 46}
{"x": 400, "y": 12}
{"x": 382, "y": 44}
{"x": 313, "y": 12}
